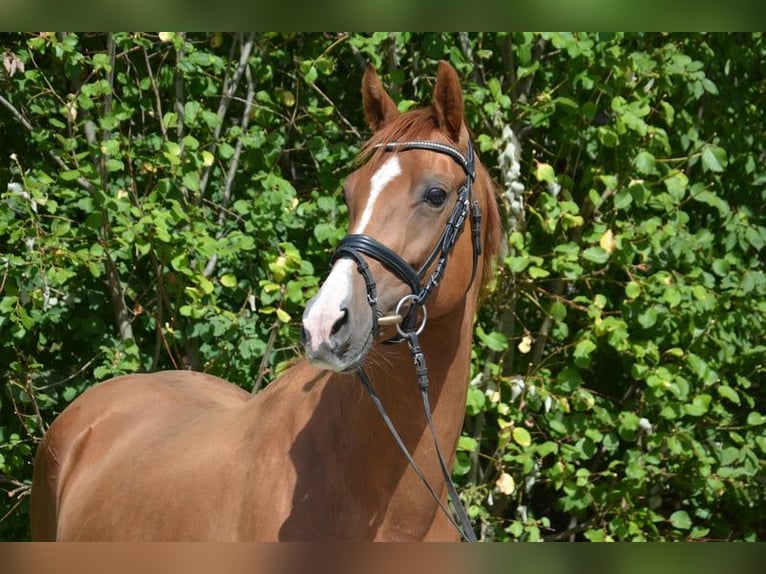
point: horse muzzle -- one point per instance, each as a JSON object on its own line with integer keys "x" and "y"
{"x": 337, "y": 329}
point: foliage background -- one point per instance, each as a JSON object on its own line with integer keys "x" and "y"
{"x": 171, "y": 200}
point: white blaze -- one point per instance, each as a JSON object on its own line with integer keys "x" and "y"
{"x": 326, "y": 310}
{"x": 380, "y": 179}
{"x": 336, "y": 289}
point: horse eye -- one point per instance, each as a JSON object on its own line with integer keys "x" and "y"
{"x": 436, "y": 196}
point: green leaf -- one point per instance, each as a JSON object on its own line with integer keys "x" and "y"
{"x": 583, "y": 400}
{"x": 325, "y": 232}
{"x": 596, "y": 255}
{"x": 228, "y": 280}
{"x": 521, "y": 436}
{"x": 584, "y": 348}
{"x": 101, "y": 61}
{"x": 648, "y": 318}
{"x": 635, "y": 469}
{"x": 180, "y": 262}
{"x": 558, "y": 311}
{"x": 721, "y": 267}
{"x": 185, "y": 310}
{"x": 728, "y": 393}
{"x": 680, "y": 519}
{"x": 537, "y": 272}
{"x": 494, "y": 340}
{"x": 755, "y": 419}
{"x": 699, "y": 532}
{"x": 699, "y": 406}
{"x": 729, "y": 455}
{"x": 712, "y": 199}
{"x": 225, "y": 150}
{"x": 755, "y": 238}
{"x": 582, "y": 352}
{"x": 645, "y": 163}
{"x": 628, "y": 425}
{"x": 713, "y": 158}
{"x": 191, "y": 110}
{"x": 190, "y": 142}
{"x": 113, "y": 165}
{"x": 623, "y": 199}
{"x": 632, "y": 290}
{"x": 310, "y": 74}
{"x": 548, "y": 447}
{"x": 462, "y": 465}
{"x": 467, "y": 444}
{"x": 241, "y": 206}
{"x": 701, "y": 369}
{"x": 672, "y": 296}
{"x": 558, "y": 427}
{"x": 191, "y": 180}
{"x": 567, "y": 103}
{"x": 283, "y": 315}
{"x": 206, "y": 284}
{"x": 475, "y": 401}
{"x": 676, "y": 185}
{"x": 595, "y": 535}
{"x": 544, "y": 172}
{"x": 70, "y": 175}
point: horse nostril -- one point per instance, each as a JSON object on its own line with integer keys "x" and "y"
{"x": 338, "y": 325}
{"x": 305, "y": 337}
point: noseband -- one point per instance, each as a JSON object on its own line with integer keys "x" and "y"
{"x": 355, "y": 246}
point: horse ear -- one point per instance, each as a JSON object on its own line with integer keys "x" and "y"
{"x": 448, "y": 100}
{"x": 378, "y": 105}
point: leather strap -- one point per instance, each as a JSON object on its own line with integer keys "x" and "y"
{"x": 375, "y": 249}
{"x": 466, "y": 532}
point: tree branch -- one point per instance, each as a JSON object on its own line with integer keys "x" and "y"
{"x": 327, "y": 99}
{"x": 157, "y": 99}
{"x": 233, "y": 168}
{"x": 265, "y": 359}
{"x": 122, "y": 315}
{"x": 229, "y": 89}
{"x": 465, "y": 45}
{"x": 179, "y": 88}
{"x": 159, "y": 315}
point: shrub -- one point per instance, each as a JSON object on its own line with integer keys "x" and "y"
{"x": 171, "y": 200}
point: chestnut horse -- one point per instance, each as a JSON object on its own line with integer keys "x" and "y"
{"x": 182, "y": 455}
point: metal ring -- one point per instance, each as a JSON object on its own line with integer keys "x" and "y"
{"x": 397, "y": 311}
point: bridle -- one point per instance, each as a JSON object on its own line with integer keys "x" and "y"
{"x": 356, "y": 246}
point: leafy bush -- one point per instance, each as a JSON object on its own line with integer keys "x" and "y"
{"x": 171, "y": 200}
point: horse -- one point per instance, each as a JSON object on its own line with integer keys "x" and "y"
{"x": 186, "y": 456}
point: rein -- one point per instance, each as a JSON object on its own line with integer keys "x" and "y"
{"x": 355, "y": 246}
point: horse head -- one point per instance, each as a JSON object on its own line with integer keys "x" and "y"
{"x": 415, "y": 201}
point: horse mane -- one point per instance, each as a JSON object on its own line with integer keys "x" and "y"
{"x": 418, "y": 124}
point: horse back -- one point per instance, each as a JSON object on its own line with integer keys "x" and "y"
{"x": 116, "y": 416}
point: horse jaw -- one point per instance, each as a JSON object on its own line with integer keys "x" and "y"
{"x": 337, "y": 322}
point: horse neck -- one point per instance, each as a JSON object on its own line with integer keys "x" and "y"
{"x": 327, "y": 422}
{"x": 446, "y": 345}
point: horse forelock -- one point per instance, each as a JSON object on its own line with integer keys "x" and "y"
{"x": 420, "y": 124}
{"x": 413, "y": 125}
